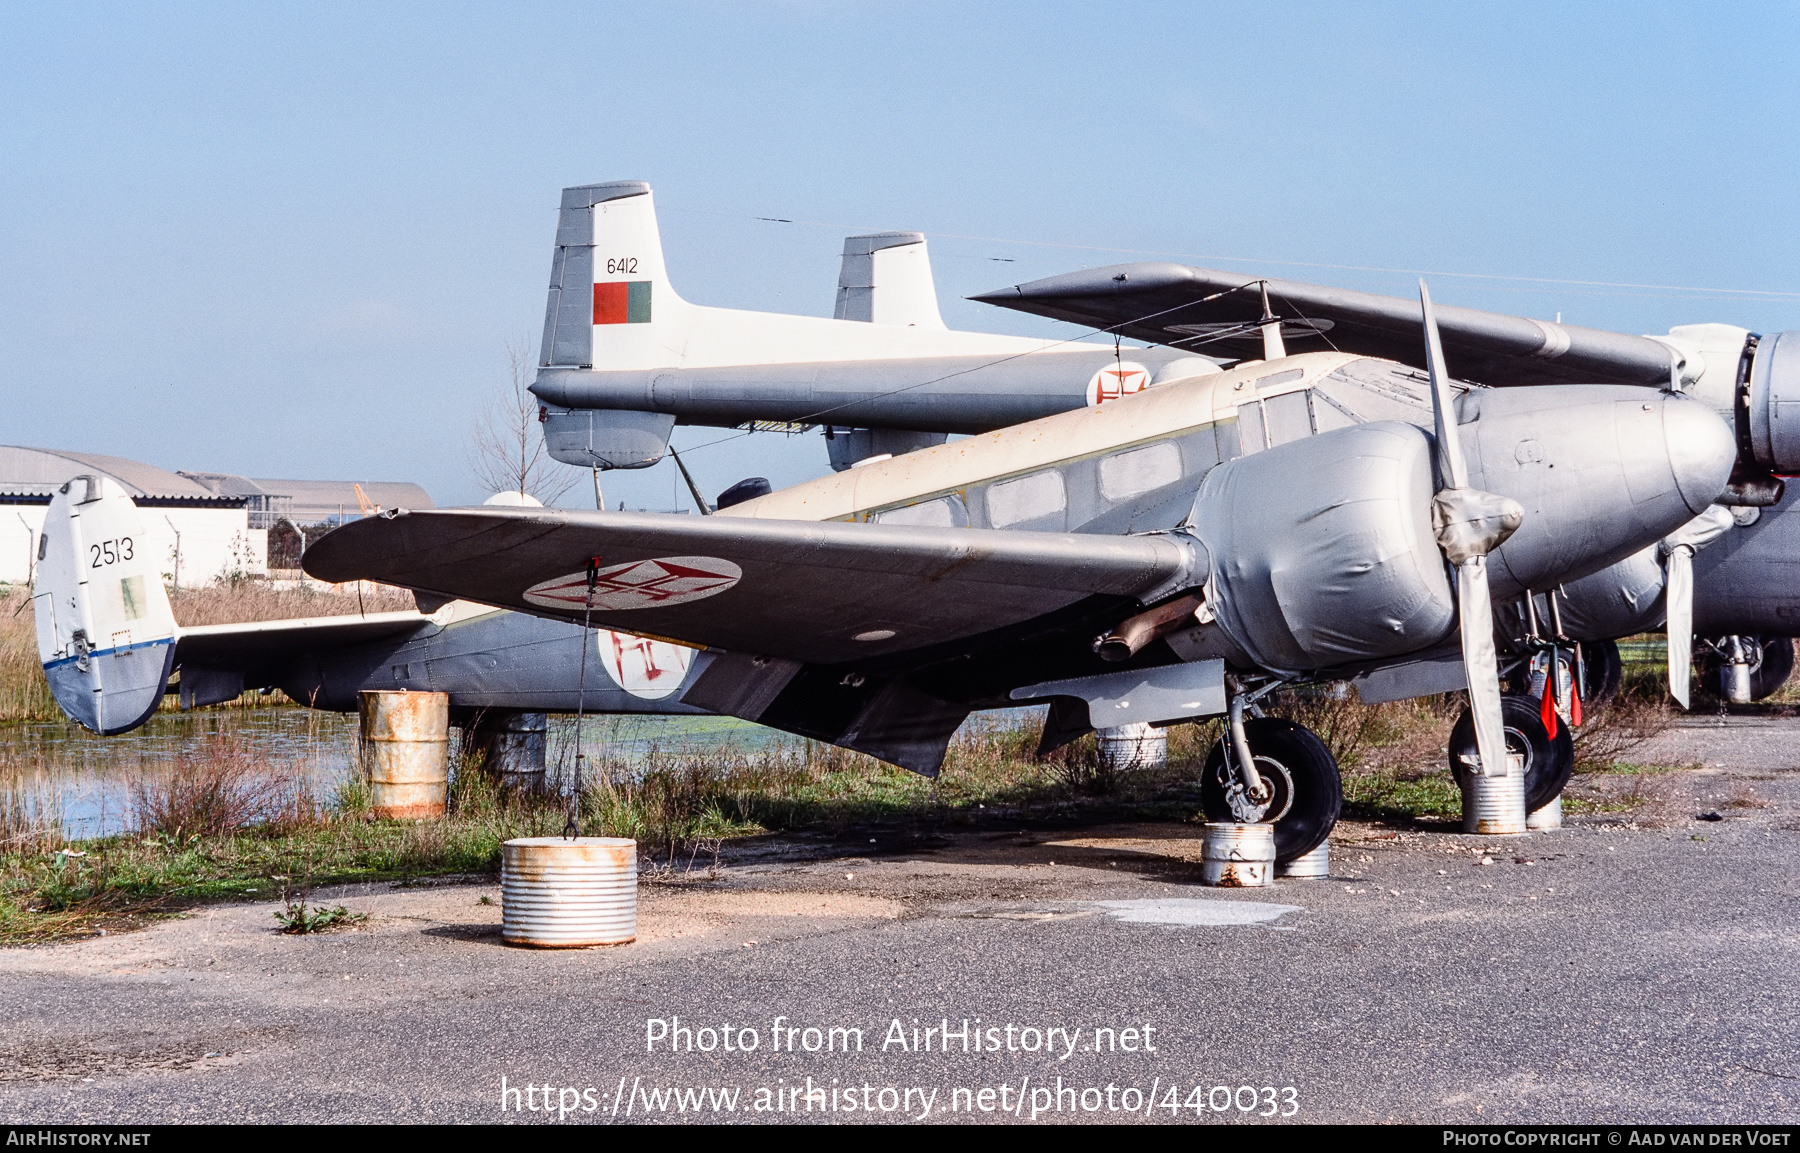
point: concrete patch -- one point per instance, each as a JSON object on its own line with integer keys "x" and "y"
{"x": 1192, "y": 912}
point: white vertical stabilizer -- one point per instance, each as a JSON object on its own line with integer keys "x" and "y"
{"x": 611, "y": 307}
{"x": 105, "y": 632}
{"x": 885, "y": 278}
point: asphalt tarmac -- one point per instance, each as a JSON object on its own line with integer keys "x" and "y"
{"x": 1632, "y": 967}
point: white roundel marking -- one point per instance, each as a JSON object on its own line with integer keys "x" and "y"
{"x": 1121, "y": 379}
{"x": 647, "y": 669}
{"x": 639, "y": 584}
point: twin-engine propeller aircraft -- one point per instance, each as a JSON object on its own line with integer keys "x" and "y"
{"x": 1174, "y": 553}
{"x": 1730, "y": 576}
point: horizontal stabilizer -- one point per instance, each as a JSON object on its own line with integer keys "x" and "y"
{"x": 813, "y": 592}
{"x": 255, "y": 643}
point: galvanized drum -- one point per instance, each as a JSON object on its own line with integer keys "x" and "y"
{"x": 557, "y": 893}
{"x": 1128, "y": 748}
{"x": 1313, "y": 866}
{"x": 1496, "y": 805}
{"x": 1238, "y": 856}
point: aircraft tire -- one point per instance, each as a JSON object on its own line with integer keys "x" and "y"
{"x": 1776, "y": 667}
{"x": 1309, "y": 796}
{"x": 1549, "y": 762}
{"x": 1768, "y": 672}
{"x": 1605, "y": 671}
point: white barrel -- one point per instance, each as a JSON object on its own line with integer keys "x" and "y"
{"x": 1237, "y": 856}
{"x": 558, "y": 893}
{"x": 1313, "y": 866}
{"x": 1495, "y": 805}
{"x": 405, "y": 752}
{"x": 1547, "y": 818}
{"x": 1135, "y": 746}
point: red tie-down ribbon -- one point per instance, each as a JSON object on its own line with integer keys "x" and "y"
{"x": 1547, "y": 709}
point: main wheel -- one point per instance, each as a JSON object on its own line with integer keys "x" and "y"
{"x": 1548, "y": 761}
{"x": 1776, "y": 667}
{"x": 1603, "y": 671}
{"x": 1771, "y": 664}
{"x": 1307, "y": 795}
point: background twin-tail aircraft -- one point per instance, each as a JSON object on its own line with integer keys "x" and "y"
{"x": 1143, "y": 539}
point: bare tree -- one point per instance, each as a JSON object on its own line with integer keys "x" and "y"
{"x": 507, "y": 450}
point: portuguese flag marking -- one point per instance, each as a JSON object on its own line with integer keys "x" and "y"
{"x": 622, "y": 302}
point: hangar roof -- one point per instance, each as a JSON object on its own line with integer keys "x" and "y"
{"x": 41, "y": 471}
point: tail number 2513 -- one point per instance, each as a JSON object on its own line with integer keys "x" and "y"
{"x": 110, "y": 551}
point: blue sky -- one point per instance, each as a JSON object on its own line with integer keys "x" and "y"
{"x": 295, "y": 240}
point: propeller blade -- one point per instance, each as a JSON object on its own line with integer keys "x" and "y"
{"x": 1476, "y": 612}
{"x": 1453, "y": 469}
{"x": 1678, "y": 598}
{"x": 1469, "y": 524}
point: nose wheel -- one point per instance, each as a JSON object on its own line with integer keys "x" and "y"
{"x": 1300, "y": 793}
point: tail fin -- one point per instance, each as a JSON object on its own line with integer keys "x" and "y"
{"x": 885, "y": 278}
{"x": 610, "y": 299}
{"x": 105, "y": 632}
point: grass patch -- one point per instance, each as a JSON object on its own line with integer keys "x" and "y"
{"x": 214, "y": 829}
{"x": 1400, "y": 794}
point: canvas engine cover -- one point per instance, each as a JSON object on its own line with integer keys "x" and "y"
{"x": 1322, "y": 549}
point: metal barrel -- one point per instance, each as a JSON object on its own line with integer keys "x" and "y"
{"x": 1313, "y": 866}
{"x": 1135, "y": 746}
{"x": 511, "y": 745}
{"x": 558, "y": 893}
{"x": 405, "y": 752}
{"x": 1237, "y": 856}
{"x": 1495, "y": 805}
{"x": 1546, "y": 818}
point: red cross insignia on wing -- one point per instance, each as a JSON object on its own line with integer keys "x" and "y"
{"x": 642, "y": 584}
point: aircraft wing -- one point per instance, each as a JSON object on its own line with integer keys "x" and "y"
{"x": 1214, "y": 313}
{"x": 257, "y": 643}
{"x": 813, "y": 592}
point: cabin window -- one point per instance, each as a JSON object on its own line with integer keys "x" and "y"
{"x": 1126, "y": 474}
{"x": 1029, "y": 497}
{"x": 940, "y": 513}
{"x": 1287, "y": 418}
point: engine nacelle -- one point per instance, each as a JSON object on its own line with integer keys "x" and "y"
{"x": 1774, "y": 402}
{"x": 1322, "y": 549}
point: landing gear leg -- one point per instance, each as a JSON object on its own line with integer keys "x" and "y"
{"x": 1292, "y": 783}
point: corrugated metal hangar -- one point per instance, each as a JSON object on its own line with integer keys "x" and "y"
{"x": 205, "y": 525}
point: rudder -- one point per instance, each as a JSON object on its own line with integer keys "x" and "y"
{"x": 610, "y": 304}
{"x": 106, "y": 634}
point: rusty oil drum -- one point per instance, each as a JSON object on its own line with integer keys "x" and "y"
{"x": 1237, "y": 856}
{"x": 405, "y": 752}
{"x": 562, "y": 893}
